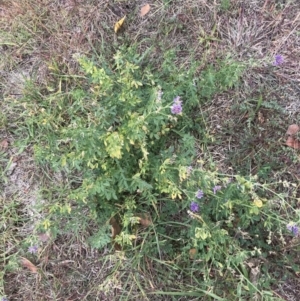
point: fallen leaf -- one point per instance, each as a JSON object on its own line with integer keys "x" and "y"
{"x": 254, "y": 273}
{"x": 115, "y": 227}
{"x": 119, "y": 24}
{"x": 29, "y": 265}
{"x": 4, "y": 144}
{"x": 192, "y": 253}
{"x": 145, "y": 219}
{"x": 44, "y": 237}
{"x": 115, "y": 230}
{"x": 183, "y": 18}
{"x": 293, "y": 143}
{"x": 292, "y": 129}
{"x": 261, "y": 118}
{"x": 16, "y": 158}
{"x": 145, "y": 10}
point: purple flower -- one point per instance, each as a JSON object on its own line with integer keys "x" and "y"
{"x": 199, "y": 194}
{"x": 176, "y": 108}
{"x": 194, "y": 206}
{"x": 189, "y": 170}
{"x": 4, "y": 299}
{"x": 217, "y": 188}
{"x": 293, "y": 228}
{"x": 33, "y": 249}
{"x": 278, "y": 60}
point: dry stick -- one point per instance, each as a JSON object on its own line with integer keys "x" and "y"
{"x": 266, "y": 3}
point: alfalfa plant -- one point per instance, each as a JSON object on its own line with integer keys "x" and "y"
{"x": 129, "y": 133}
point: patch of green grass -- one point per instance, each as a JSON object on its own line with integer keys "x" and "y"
{"x": 10, "y": 221}
{"x": 225, "y": 5}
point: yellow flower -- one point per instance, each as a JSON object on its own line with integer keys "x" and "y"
{"x": 258, "y": 203}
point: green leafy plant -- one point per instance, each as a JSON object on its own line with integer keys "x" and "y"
{"x": 117, "y": 129}
{"x": 127, "y": 131}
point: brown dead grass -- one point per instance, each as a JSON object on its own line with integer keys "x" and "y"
{"x": 258, "y": 32}
{"x": 43, "y": 35}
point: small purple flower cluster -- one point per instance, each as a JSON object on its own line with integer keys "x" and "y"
{"x": 199, "y": 194}
{"x": 176, "y": 108}
{"x": 33, "y": 249}
{"x": 293, "y": 228}
{"x": 189, "y": 170}
{"x": 217, "y": 188}
{"x": 194, "y": 207}
{"x": 278, "y": 60}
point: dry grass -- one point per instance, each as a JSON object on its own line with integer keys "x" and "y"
{"x": 40, "y": 40}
